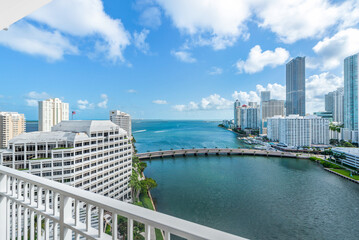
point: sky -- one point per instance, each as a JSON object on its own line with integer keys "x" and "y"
{"x": 172, "y": 59}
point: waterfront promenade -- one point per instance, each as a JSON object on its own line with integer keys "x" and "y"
{"x": 218, "y": 151}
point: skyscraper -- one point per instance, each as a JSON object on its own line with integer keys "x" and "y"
{"x": 51, "y": 112}
{"x": 11, "y": 125}
{"x": 334, "y": 103}
{"x": 123, "y": 120}
{"x": 265, "y": 96}
{"x": 250, "y": 116}
{"x": 295, "y": 86}
{"x": 351, "y": 92}
{"x": 237, "y": 114}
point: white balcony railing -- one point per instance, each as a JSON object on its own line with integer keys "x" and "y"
{"x": 32, "y": 207}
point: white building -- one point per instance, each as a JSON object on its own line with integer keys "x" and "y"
{"x": 351, "y": 156}
{"x": 123, "y": 120}
{"x": 334, "y": 102}
{"x": 249, "y": 116}
{"x": 297, "y": 131}
{"x": 91, "y": 155}
{"x": 11, "y": 125}
{"x": 270, "y": 108}
{"x": 237, "y": 113}
{"x": 51, "y": 112}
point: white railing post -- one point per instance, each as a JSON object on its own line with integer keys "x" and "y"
{"x": 26, "y": 219}
{"x": 32, "y": 224}
{"x": 3, "y": 207}
{"x": 39, "y": 197}
{"x": 56, "y": 232}
{"x": 13, "y": 222}
{"x": 32, "y": 194}
{"x": 77, "y": 212}
{"x": 130, "y": 229}
{"x": 114, "y": 226}
{"x": 88, "y": 217}
{"x": 19, "y": 221}
{"x": 39, "y": 232}
{"x": 167, "y": 235}
{"x": 55, "y": 202}
{"x": 100, "y": 222}
{"x": 65, "y": 215}
{"x": 147, "y": 232}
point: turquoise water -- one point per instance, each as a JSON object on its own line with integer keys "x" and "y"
{"x": 155, "y": 135}
{"x": 253, "y": 197}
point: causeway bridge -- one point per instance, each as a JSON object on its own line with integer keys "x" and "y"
{"x": 218, "y": 151}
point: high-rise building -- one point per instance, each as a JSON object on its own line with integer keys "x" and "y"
{"x": 334, "y": 103}
{"x": 123, "y": 120}
{"x": 269, "y": 108}
{"x": 298, "y": 131}
{"x": 351, "y": 74}
{"x": 295, "y": 86}
{"x": 265, "y": 96}
{"x": 249, "y": 116}
{"x": 51, "y": 112}
{"x": 11, "y": 125}
{"x": 92, "y": 155}
{"x": 237, "y": 113}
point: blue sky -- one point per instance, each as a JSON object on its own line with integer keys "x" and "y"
{"x": 172, "y": 59}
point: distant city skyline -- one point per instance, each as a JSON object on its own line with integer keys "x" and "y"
{"x": 168, "y": 59}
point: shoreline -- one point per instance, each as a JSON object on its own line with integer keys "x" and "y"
{"x": 341, "y": 175}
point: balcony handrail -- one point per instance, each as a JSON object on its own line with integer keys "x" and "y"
{"x": 154, "y": 219}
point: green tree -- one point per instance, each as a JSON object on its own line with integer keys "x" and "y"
{"x": 141, "y": 166}
{"x": 135, "y": 185}
{"x": 147, "y": 184}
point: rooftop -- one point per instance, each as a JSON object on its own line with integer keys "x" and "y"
{"x": 352, "y": 151}
{"x": 33, "y": 137}
{"x": 85, "y": 126}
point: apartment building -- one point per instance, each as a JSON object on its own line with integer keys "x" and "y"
{"x": 11, "y": 125}
{"x": 92, "y": 155}
{"x": 123, "y": 120}
{"x": 51, "y": 112}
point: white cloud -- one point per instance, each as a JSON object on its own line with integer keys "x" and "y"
{"x": 73, "y": 18}
{"x": 245, "y": 97}
{"x": 209, "y": 22}
{"x": 212, "y": 102}
{"x": 159, "y": 101}
{"x": 151, "y": 17}
{"x": 298, "y": 19}
{"x": 38, "y": 95}
{"x": 32, "y": 102}
{"x": 183, "y": 56}
{"x": 24, "y": 37}
{"x": 33, "y": 97}
{"x": 332, "y": 51}
{"x": 317, "y": 86}
{"x": 103, "y": 104}
{"x": 140, "y": 40}
{"x": 84, "y": 104}
{"x": 257, "y": 59}
{"x": 221, "y": 23}
{"x": 131, "y": 91}
{"x": 277, "y": 91}
{"x": 216, "y": 71}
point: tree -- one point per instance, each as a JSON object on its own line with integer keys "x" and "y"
{"x": 141, "y": 166}
{"x": 334, "y": 142}
{"x": 147, "y": 184}
{"x": 135, "y": 185}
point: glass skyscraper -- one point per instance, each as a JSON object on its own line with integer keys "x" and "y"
{"x": 351, "y": 92}
{"x": 295, "y": 86}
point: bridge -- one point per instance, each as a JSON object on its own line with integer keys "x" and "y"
{"x": 218, "y": 151}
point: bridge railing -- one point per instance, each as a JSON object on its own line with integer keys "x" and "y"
{"x": 32, "y": 207}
